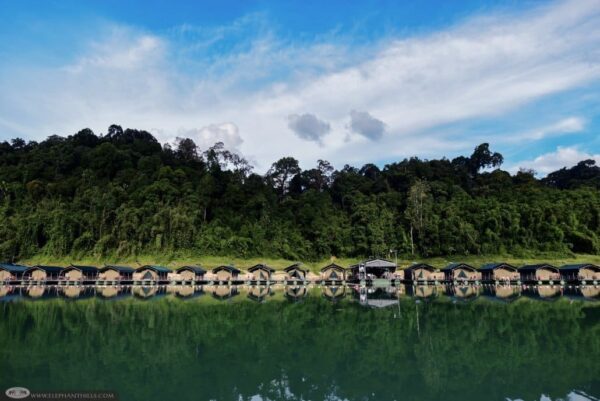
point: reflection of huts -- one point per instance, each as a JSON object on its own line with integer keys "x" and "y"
{"x": 461, "y": 272}
{"x": 540, "y": 272}
{"x": 295, "y": 293}
{"x": 499, "y": 272}
{"x": 223, "y": 292}
{"x": 115, "y": 273}
{"x": 42, "y": 273}
{"x": 38, "y": 291}
{"x": 502, "y": 292}
{"x": 113, "y": 292}
{"x": 151, "y": 273}
{"x": 226, "y": 273}
{"x": 148, "y": 291}
{"x": 423, "y": 291}
{"x": 261, "y": 272}
{"x": 372, "y": 268}
{"x": 462, "y": 292}
{"x": 589, "y": 291}
{"x": 333, "y": 272}
{"x": 295, "y": 272}
{"x": 79, "y": 273}
{"x": 580, "y": 272}
{"x": 10, "y": 272}
{"x": 422, "y": 272}
{"x": 190, "y": 273}
{"x": 546, "y": 292}
{"x": 259, "y": 293}
{"x": 333, "y": 292}
{"x": 377, "y": 297}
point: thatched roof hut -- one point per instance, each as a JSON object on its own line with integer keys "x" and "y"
{"x": 461, "y": 271}
{"x": 43, "y": 273}
{"x": 539, "y": 272}
{"x": 421, "y": 272}
{"x": 79, "y": 273}
{"x": 499, "y": 272}
{"x": 295, "y": 272}
{"x": 261, "y": 272}
{"x": 333, "y": 272}
{"x": 580, "y": 272}
{"x": 151, "y": 273}
{"x": 10, "y": 272}
{"x": 226, "y": 273}
{"x": 116, "y": 273}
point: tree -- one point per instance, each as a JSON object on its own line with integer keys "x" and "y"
{"x": 281, "y": 173}
{"x": 415, "y": 210}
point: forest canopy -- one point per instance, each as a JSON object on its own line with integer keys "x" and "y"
{"x": 123, "y": 193}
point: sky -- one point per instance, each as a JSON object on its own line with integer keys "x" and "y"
{"x": 348, "y": 82}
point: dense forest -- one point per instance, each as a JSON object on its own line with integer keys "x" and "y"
{"x": 123, "y": 193}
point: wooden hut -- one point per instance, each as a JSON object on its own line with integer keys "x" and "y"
{"x": 295, "y": 273}
{"x": 333, "y": 272}
{"x": 10, "y": 272}
{"x": 422, "y": 272}
{"x": 580, "y": 272}
{"x": 540, "y": 272}
{"x": 79, "y": 273}
{"x": 499, "y": 272}
{"x": 115, "y": 273}
{"x": 372, "y": 269}
{"x": 261, "y": 272}
{"x": 190, "y": 273}
{"x": 43, "y": 273}
{"x": 151, "y": 273}
{"x": 226, "y": 273}
{"x": 461, "y": 272}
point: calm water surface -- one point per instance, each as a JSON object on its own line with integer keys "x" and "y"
{"x": 297, "y": 344}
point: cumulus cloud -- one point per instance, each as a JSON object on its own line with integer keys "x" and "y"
{"x": 205, "y": 137}
{"x": 562, "y": 157}
{"x": 308, "y": 126}
{"x": 363, "y": 123}
{"x": 487, "y": 67}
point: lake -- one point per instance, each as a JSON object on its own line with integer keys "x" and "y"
{"x": 298, "y": 343}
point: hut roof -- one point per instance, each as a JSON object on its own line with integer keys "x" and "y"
{"x": 195, "y": 269}
{"x": 259, "y": 267}
{"x": 13, "y": 268}
{"x": 156, "y": 268}
{"x": 577, "y": 267}
{"x": 420, "y": 266}
{"x": 295, "y": 266}
{"x": 454, "y": 266}
{"x": 120, "y": 269}
{"x": 333, "y": 266}
{"x": 47, "y": 269}
{"x": 497, "y": 265}
{"x": 534, "y": 268}
{"x": 230, "y": 269}
{"x": 83, "y": 269}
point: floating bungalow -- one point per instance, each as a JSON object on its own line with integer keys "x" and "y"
{"x": 261, "y": 272}
{"x": 295, "y": 273}
{"x": 333, "y": 272}
{"x": 540, "y": 272}
{"x": 226, "y": 273}
{"x": 580, "y": 272}
{"x": 461, "y": 272}
{"x": 10, "y": 272}
{"x": 116, "y": 273}
{"x": 151, "y": 273}
{"x": 499, "y": 272}
{"x": 422, "y": 272}
{"x": 43, "y": 273}
{"x": 79, "y": 273}
{"x": 190, "y": 273}
{"x": 372, "y": 269}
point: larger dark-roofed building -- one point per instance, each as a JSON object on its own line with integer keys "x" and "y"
{"x": 499, "y": 272}
{"x": 373, "y": 268}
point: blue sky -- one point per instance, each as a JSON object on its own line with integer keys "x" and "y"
{"x": 350, "y": 82}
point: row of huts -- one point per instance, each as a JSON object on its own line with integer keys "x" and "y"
{"x": 367, "y": 270}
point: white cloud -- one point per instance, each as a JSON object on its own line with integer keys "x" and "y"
{"x": 486, "y": 67}
{"x": 205, "y": 137}
{"x": 307, "y": 126}
{"x": 568, "y": 125}
{"x": 562, "y": 157}
{"x": 363, "y": 123}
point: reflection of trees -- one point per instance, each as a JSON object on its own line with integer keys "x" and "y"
{"x": 171, "y": 349}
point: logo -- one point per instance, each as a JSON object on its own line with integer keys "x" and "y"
{"x": 17, "y": 393}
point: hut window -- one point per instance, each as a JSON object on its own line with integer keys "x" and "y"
{"x": 333, "y": 275}
{"x": 147, "y": 276}
{"x": 462, "y": 274}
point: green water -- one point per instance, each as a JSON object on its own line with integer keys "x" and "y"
{"x": 169, "y": 348}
